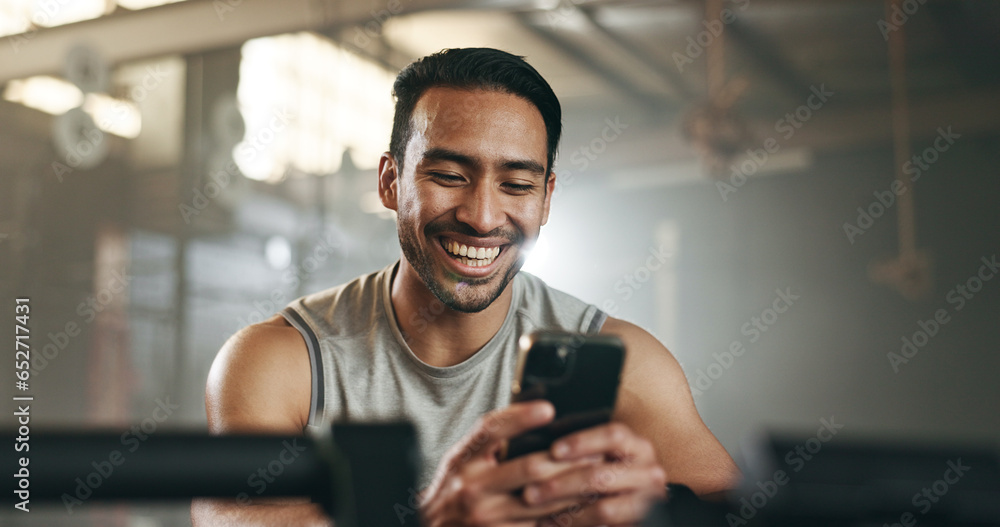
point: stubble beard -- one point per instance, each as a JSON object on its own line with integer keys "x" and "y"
{"x": 464, "y": 294}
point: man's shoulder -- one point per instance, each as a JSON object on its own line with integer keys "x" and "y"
{"x": 553, "y": 307}
{"x": 259, "y": 380}
{"x": 366, "y": 284}
{"x": 264, "y": 343}
{"x": 536, "y": 288}
{"x": 346, "y": 307}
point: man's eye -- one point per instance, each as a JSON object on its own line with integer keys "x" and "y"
{"x": 448, "y": 178}
{"x": 520, "y": 188}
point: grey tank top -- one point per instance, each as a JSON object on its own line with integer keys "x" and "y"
{"x": 363, "y": 370}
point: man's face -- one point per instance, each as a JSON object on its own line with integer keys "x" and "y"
{"x": 472, "y": 193}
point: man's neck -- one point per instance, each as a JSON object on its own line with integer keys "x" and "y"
{"x": 437, "y": 334}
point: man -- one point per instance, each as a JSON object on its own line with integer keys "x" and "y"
{"x": 433, "y": 337}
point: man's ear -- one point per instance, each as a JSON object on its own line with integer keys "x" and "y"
{"x": 550, "y": 187}
{"x": 388, "y": 181}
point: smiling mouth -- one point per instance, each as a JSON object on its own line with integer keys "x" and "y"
{"x": 471, "y": 255}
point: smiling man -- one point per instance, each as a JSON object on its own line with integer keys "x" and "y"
{"x": 433, "y": 337}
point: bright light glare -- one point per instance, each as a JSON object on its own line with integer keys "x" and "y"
{"x": 534, "y": 263}
{"x": 47, "y": 13}
{"x": 48, "y": 94}
{"x": 115, "y": 116}
{"x": 278, "y": 252}
{"x": 371, "y": 203}
{"x": 19, "y": 16}
{"x": 305, "y": 100}
{"x": 56, "y": 96}
{"x": 14, "y": 18}
{"x": 143, "y": 4}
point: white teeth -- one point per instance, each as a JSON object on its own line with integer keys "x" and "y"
{"x": 472, "y": 256}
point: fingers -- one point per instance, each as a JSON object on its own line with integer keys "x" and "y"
{"x": 476, "y": 452}
{"x": 466, "y": 500}
{"x": 599, "y": 479}
{"x": 627, "y": 509}
{"x": 614, "y": 440}
{"x": 539, "y": 466}
{"x": 618, "y": 490}
{"x": 506, "y": 508}
{"x": 484, "y": 440}
{"x": 500, "y": 425}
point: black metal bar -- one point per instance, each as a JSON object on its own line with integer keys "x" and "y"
{"x": 115, "y": 465}
{"x": 362, "y": 474}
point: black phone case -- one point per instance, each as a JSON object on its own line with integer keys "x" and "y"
{"x": 577, "y": 373}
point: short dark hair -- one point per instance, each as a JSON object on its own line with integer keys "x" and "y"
{"x": 473, "y": 68}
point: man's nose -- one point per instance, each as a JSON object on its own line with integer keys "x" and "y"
{"x": 481, "y": 208}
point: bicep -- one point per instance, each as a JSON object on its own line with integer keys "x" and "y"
{"x": 656, "y": 402}
{"x": 259, "y": 382}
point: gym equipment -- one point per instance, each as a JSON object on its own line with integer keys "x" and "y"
{"x": 365, "y": 474}
{"x": 838, "y": 481}
{"x": 362, "y": 474}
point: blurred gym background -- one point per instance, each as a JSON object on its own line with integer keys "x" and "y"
{"x": 172, "y": 173}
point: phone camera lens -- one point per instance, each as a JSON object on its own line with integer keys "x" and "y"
{"x": 553, "y": 364}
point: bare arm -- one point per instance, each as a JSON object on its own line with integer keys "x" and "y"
{"x": 259, "y": 383}
{"x": 656, "y": 402}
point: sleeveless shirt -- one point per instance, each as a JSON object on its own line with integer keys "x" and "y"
{"x": 364, "y": 371}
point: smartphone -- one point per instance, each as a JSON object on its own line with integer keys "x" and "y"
{"x": 577, "y": 373}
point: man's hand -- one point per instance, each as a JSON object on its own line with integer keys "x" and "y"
{"x": 472, "y": 487}
{"x": 619, "y": 490}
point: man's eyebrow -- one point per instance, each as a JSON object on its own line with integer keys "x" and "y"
{"x": 528, "y": 165}
{"x": 445, "y": 154}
